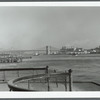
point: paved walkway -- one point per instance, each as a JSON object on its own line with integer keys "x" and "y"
{"x": 76, "y": 87}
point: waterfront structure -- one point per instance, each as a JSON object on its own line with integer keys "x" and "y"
{"x": 71, "y": 50}
{"x": 8, "y": 58}
{"x": 49, "y": 50}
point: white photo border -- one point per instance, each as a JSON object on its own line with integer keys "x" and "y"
{"x": 51, "y": 94}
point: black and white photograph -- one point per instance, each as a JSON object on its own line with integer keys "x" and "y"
{"x": 45, "y": 48}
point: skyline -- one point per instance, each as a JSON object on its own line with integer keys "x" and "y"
{"x": 36, "y": 27}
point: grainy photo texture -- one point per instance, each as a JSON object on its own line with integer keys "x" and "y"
{"x": 49, "y": 49}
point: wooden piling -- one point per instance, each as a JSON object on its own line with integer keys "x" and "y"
{"x": 56, "y": 78}
{"x": 48, "y": 80}
{"x": 70, "y": 79}
{"x": 46, "y": 72}
{"x": 65, "y": 81}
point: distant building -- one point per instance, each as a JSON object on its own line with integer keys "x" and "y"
{"x": 63, "y": 50}
{"x": 95, "y": 50}
{"x": 79, "y": 51}
{"x": 71, "y": 50}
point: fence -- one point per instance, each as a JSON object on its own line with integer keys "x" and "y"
{"x": 18, "y": 71}
{"x": 46, "y": 80}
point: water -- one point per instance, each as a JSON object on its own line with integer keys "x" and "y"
{"x": 85, "y": 67}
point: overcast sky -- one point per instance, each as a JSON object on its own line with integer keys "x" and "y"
{"x": 36, "y": 27}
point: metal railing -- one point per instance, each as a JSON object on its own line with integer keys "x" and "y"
{"x": 17, "y": 70}
{"x": 64, "y": 78}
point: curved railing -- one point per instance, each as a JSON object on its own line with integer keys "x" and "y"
{"x": 18, "y": 71}
{"x": 13, "y": 87}
{"x": 64, "y": 78}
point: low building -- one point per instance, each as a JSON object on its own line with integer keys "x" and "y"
{"x": 71, "y": 50}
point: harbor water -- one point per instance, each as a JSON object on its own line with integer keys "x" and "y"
{"x": 85, "y": 67}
